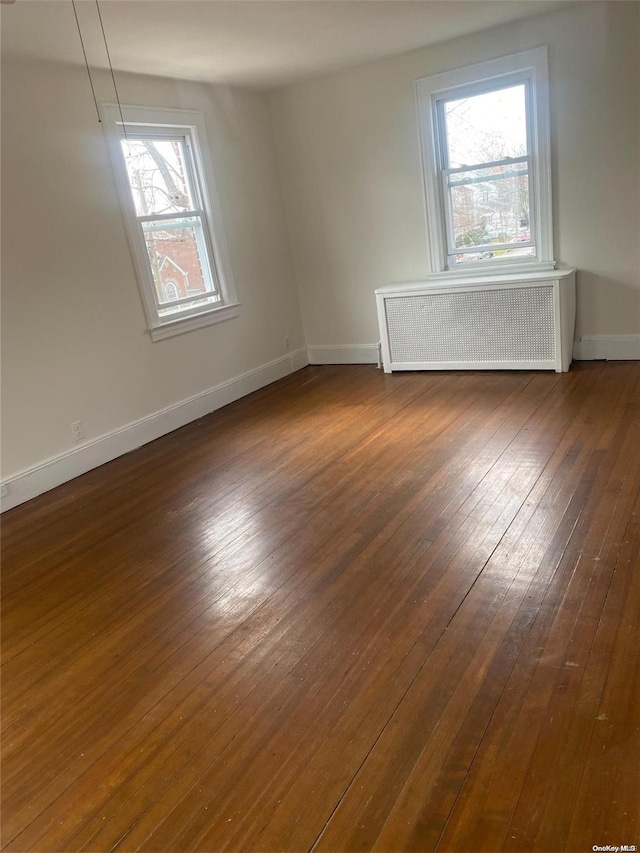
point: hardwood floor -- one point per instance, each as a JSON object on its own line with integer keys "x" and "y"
{"x": 350, "y": 612}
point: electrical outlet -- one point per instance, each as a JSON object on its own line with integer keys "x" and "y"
{"x": 286, "y": 343}
{"x": 77, "y": 428}
{"x": 4, "y": 490}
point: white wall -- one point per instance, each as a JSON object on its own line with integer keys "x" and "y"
{"x": 74, "y": 345}
{"x": 349, "y": 160}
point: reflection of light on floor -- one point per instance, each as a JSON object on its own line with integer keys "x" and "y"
{"x": 240, "y": 565}
{"x": 240, "y": 597}
{"x": 234, "y": 536}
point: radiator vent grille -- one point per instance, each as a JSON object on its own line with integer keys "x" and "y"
{"x": 489, "y": 325}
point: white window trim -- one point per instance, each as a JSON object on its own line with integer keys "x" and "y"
{"x": 531, "y": 65}
{"x": 135, "y": 118}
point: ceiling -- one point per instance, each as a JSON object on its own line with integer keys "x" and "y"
{"x": 256, "y": 43}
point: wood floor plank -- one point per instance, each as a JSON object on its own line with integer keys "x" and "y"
{"x": 349, "y": 612}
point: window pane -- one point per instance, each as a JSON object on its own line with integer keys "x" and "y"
{"x": 490, "y": 207}
{"x": 158, "y": 175}
{"x": 178, "y": 262}
{"x": 485, "y": 128}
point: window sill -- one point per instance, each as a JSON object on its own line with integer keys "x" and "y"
{"x": 494, "y": 269}
{"x": 198, "y": 321}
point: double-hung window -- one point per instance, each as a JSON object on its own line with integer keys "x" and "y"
{"x": 485, "y": 150}
{"x": 173, "y": 220}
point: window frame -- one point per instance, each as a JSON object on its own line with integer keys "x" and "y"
{"x": 531, "y": 68}
{"x": 155, "y": 122}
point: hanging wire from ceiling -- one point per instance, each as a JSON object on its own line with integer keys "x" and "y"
{"x": 113, "y": 76}
{"x": 86, "y": 61}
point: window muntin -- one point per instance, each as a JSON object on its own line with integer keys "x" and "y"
{"x": 484, "y": 133}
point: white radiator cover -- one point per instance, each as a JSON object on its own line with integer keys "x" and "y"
{"x": 515, "y": 322}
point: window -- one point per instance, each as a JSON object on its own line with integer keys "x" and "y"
{"x": 173, "y": 221}
{"x": 171, "y": 292}
{"x": 485, "y": 150}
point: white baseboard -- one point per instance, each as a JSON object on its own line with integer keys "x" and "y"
{"x": 609, "y": 347}
{"x": 29, "y": 483}
{"x": 300, "y": 358}
{"x": 347, "y": 354}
